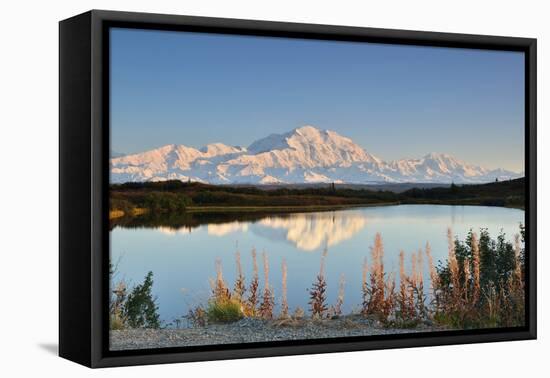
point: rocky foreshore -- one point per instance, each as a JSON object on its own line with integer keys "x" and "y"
{"x": 250, "y": 330}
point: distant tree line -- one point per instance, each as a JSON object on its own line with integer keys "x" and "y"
{"x": 177, "y": 196}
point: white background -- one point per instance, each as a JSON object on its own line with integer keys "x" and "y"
{"x": 29, "y": 186}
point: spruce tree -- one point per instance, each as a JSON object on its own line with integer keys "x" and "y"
{"x": 141, "y": 309}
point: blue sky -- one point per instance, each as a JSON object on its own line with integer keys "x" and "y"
{"x": 395, "y": 101}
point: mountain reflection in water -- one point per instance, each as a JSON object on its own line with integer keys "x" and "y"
{"x": 309, "y": 232}
{"x": 305, "y": 231}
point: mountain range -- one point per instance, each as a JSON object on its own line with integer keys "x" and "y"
{"x": 303, "y": 155}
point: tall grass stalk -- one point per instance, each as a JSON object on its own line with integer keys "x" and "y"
{"x": 517, "y": 261}
{"x": 379, "y": 295}
{"x": 403, "y": 296}
{"x": 118, "y": 318}
{"x": 421, "y": 309}
{"x": 434, "y": 280}
{"x": 336, "y": 310}
{"x": 476, "y": 267}
{"x": 466, "y": 288}
{"x": 412, "y": 287}
{"x": 373, "y": 301}
{"x": 220, "y": 290}
{"x": 365, "y": 292}
{"x": 268, "y": 302}
{"x": 454, "y": 269}
{"x": 390, "y": 298}
{"x": 284, "y": 302}
{"x": 239, "y": 287}
{"x": 253, "y": 297}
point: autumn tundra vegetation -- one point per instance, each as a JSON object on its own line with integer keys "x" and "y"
{"x": 480, "y": 285}
{"x": 168, "y": 197}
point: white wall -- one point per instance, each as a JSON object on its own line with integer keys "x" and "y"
{"x": 28, "y": 150}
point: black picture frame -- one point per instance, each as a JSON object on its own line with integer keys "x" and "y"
{"x": 83, "y": 181}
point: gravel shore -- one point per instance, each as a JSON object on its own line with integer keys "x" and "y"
{"x": 253, "y": 330}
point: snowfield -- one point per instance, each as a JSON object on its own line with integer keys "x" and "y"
{"x": 303, "y": 155}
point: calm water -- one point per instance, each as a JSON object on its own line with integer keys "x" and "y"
{"x": 183, "y": 258}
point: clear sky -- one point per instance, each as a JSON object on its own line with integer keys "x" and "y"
{"x": 395, "y": 101}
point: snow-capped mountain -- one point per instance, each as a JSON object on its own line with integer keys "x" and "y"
{"x": 303, "y": 155}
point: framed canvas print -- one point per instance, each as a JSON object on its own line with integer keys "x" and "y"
{"x": 234, "y": 188}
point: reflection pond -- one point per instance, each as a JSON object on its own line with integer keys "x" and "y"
{"x": 181, "y": 251}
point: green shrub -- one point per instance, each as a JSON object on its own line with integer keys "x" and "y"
{"x": 116, "y": 322}
{"x": 224, "y": 311}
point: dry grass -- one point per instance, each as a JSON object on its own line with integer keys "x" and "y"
{"x": 220, "y": 291}
{"x": 239, "y": 287}
{"x": 365, "y": 286}
{"x": 118, "y": 318}
{"x": 268, "y": 303}
{"x": 453, "y": 268}
{"x": 252, "y": 301}
{"x": 379, "y": 295}
{"x": 476, "y": 265}
{"x": 336, "y": 310}
{"x": 197, "y": 316}
{"x": 299, "y": 313}
{"x": 455, "y": 298}
{"x": 405, "y": 310}
{"x": 284, "y": 302}
{"x": 434, "y": 280}
{"x": 518, "y": 277}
